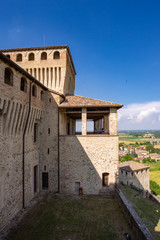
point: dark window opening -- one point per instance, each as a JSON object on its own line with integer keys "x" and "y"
{"x": 49, "y": 99}
{"x": 35, "y": 178}
{"x": 8, "y": 56}
{"x": 49, "y": 131}
{"x": 44, "y": 180}
{"x": 31, "y": 57}
{"x": 48, "y": 150}
{"x": 43, "y": 56}
{"x": 34, "y": 91}
{"x": 56, "y": 55}
{"x": 44, "y": 167}
{"x": 105, "y": 179}
{"x": 68, "y": 128}
{"x": 8, "y": 76}
{"x": 35, "y": 132}
{"x": 19, "y": 58}
{"x": 23, "y": 84}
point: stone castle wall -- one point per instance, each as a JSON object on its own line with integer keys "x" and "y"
{"x": 83, "y": 159}
{"x": 14, "y": 106}
{"x": 139, "y": 179}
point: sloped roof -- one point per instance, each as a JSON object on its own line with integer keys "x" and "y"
{"x": 132, "y": 166}
{"x": 74, "y": 101}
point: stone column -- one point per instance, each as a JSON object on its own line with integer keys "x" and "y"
{"x": 84, "y": 121}
{"x": 106, "y": 124}
{"x": 113, "y": 121}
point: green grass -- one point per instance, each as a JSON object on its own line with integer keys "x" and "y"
{"x": 59, "y": 217}
{"x": 155, "y": 176}
{"x": 148, "y": 210}
{"x": 155, "y": 166}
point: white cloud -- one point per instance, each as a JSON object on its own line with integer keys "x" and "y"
{"x": 140, "y": 116}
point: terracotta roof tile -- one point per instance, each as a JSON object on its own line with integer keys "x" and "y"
{"x": 79, "y": 101}
{"x": 132, "y": 166}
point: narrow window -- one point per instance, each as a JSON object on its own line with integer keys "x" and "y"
{"x": 23, "y": 84}
{"x": 34, "y": 91}
{"x": 44, "y": 180}
{"x": 56, "y": 55}
{"x": 8, "y": 76}
{"x": 35, "y": 132}
{"x": 49, "y": 99}
{"x": 35, "y": 178}
{"x": 31, "y": 57}
{"x": 48, "y": 150}
{"x": 42, "y": 95}
{"x": 126, "y": 173}
{"x": 43, "y": 56}
{"x": 19, "y": 57}
{"x": 49, "y": 131}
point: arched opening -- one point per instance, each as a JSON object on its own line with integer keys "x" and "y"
{"x": 56, "y": 55}
{"x": 105, "y": 179}
{"x": 31, "y": 57}
{"x": 42, "y": 95}
{"x": 43, "y": 56}
{"x": 8, "y": 76}
{"x": 8, "y": 56}
{"x": 19, "y": 57}
{"x": 34, "y": 91}
{"x": 23, "y": 86}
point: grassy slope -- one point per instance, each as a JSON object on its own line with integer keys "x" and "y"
{"x": 66, "y": 218}
{"x": 155, "y": 172}
{"x": 148, "y": 210}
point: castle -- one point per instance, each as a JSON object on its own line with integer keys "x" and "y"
{"x": 39, "y": 147}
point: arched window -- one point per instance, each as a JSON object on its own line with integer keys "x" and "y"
{"x": 23, "y": 86}
{"x": 8, "y": 56}
{"x": 42, "y": 95}
{"x": 19, "y": 57}
{"x": 34, "y": 91}
{"x": 31, "y": 57}
{"x": 56, "y": 55}
{"x": 43, "y": 56}
{"x": 8, "y": 76}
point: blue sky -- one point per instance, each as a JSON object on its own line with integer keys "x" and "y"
{"x": 115, "y": 46}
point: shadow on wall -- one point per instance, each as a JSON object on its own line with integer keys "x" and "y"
{"x": 89, "y": 162}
